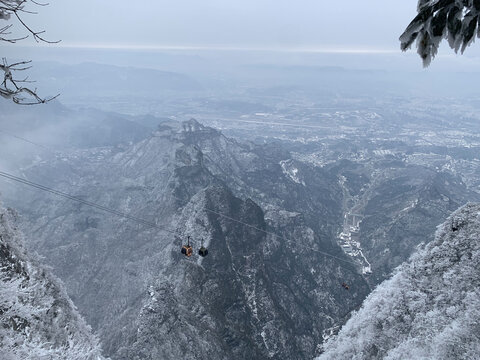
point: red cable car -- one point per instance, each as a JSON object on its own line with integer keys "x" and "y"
{"x": 187, "y": 250}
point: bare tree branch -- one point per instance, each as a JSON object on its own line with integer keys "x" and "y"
{"x": 11, "y": 88}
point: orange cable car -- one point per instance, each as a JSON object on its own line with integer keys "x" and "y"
{"x": 187, "y": 250}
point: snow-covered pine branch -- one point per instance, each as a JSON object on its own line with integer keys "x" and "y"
{"x": 454, "y": 20}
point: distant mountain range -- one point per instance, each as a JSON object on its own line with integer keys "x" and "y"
{"x": 93, "y": 79}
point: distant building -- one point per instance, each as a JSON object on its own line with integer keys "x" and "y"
{"x": 347, "y": 248}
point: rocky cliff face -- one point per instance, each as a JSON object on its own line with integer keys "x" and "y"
{"x": 255, "y": 295}
{"x": 429, "y": 309}
{"x": 37, "y": 318}
{"x": 252, "y": 297}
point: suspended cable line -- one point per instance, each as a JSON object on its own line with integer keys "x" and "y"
{"x": 28, "y": 141}
{"x": 147, "y": 223}
{"x": 85, "y": 202}
{"x": 272, "y": 233}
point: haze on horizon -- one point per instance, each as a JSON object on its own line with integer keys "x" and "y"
{"x": 308, "y": 32}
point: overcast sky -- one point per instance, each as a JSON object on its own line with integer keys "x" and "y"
{"x": 299, "y": 27}
{"x": 300, "y": 24}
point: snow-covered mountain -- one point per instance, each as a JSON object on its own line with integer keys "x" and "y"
{"x": 429, "y": 309}
{"x": 37, "y": 318}
{"x": 255, "y": 295}
{"x": 282, "y": 271}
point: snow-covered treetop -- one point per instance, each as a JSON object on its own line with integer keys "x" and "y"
{"x": 37, "y": 318}
{"x": 454, "y": 20}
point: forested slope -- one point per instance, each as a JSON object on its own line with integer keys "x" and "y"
{"x": 429, "y": 309}
{"x": 37, "y": 318}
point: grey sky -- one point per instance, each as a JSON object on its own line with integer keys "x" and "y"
{"x": 298, "y": 27}
{"x": 303, "y": 24}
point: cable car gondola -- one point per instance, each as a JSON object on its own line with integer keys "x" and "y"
{"x": 187, "y": 250}
{"x": 203, "y": 251}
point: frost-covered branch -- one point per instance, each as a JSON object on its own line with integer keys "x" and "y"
{"x": 15, "y": 8}
{"x": 37, "y": 318}
{"x": 454, "y": 20}
{"x": 12, "y": 88}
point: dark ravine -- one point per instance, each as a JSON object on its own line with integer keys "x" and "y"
{"x": 404, "y": 212}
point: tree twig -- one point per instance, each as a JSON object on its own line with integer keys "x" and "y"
{"x": 11, "y": 88}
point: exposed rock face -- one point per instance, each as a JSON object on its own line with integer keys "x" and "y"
{"x": 430, "y": 309}
{"x": 250, "y": 298}
{"x": 255, "y": 294}
{"x": 37, "y": 318}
